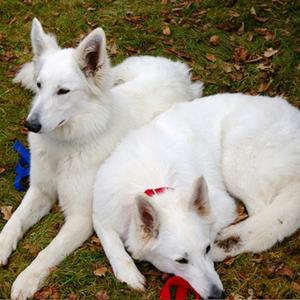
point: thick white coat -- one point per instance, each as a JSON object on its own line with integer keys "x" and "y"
{"x": 246, "y": 147}
{"x": 79, "y": 129}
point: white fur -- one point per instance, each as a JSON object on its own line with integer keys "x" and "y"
{"x": 244, "y": 146}
{"x": 79, "y": 130}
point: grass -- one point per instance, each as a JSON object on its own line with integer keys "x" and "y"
{"x": 246, "y": 29}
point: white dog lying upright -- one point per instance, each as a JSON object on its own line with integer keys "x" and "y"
{"x": 227, "y": 144}
{"x": 77, "y": 118}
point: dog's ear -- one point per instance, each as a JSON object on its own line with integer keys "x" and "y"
{"x": 91, "y": 52}
{"x": 40, "y": 40}
{"x": 147, "y": 218}
{"x": 200, "y": 199}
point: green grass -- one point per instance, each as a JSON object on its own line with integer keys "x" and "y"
{"x": 191, "y": 24}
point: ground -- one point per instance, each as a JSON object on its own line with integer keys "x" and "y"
{"x": 234, "y": 45}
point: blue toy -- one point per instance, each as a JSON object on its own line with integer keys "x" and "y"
{"x": 22, "y": 168}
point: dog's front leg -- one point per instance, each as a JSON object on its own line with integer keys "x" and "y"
{"x": 123, "y": 265}
{"x": 33, "y": 207}
{"x": 75, "y": 231}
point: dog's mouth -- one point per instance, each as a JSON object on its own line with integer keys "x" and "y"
{"x": 61, "y": 123}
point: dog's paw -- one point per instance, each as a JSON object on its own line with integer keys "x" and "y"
{"x": 228, "y": 243}
{"x": 26, "y": 284}
{"x": 130, "y": 274}
{"x": 7, "y": 245}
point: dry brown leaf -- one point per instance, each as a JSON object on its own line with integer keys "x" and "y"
{"x": 263, "y": 67}
{"x": 227, "y": 68}
{"x": 2, "y": 170}
{"x": 102, "y": 295}
{"x": 211, "y": 57}
{"x": 214, "y": 40}
{"x": 6, "y": 211}
{"x": 46, "y": 293}
{"x": 286, "y": 271}
{"x": 33, "y": 249}
{"x": 241, "y": 30}
{"x": 233, "y": 13}
{"x": 179, "y": 53}
{"x": 95, "y": 240}
{"x": 166, "y": 30}
{"x": 72, "y": 296}
{"x": 164, "y": 1}
{"x": 113, "y": 48}
{"x": 240, "y": 54}
{"x": 270, "y": 52}
{"x": 295, "y": 286}
{"x": 229, "y": 261}
{"x": 237, "y": 66}
{"x": 100, "y": 271}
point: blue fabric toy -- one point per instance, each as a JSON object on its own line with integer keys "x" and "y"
{"x": 22, "y": 168}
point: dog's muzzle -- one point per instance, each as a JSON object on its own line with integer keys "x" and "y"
{"x": 33, "y": 124}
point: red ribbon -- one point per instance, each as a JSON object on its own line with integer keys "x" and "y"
{"x": 183, "y": 288}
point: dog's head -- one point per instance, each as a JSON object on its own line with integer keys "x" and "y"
{"x": 67, "y": 82}
{"x": 174, "y": 234}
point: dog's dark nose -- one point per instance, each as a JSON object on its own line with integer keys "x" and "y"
{"x": 33, "y": 125}
{"x": 216, "y": 293}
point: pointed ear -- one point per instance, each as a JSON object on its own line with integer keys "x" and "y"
{"x": 41, "y": 41}
{"x": 147, "y": 217}
{"x": 200, "y": 199}
{"x": 91, "y": 52}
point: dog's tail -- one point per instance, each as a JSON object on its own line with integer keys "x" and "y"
{"x": 272, "y": 224}
{"x": 155, "y": 82}
{"x": 26, "y": 77}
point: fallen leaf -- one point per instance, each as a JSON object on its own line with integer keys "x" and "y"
{"x": 250, "y": 36}
{"x": 270, "y": 52}
{"x": 267, "y": 34}
{"x": 72, "y": 296}
{"x": 164, "y": 1}
{"x": 6, "y": 212}
{"x": 240, "y": 54}
{"x": 263, "y": 67}
{"x": 252, "y": 11}
{"x": 214, "y": 40}
{"x": 286, "y": 271}
{"x": 113, "y": 48}
{"x": 211, "y": 57}
{"x": 102, "y": 295}
{"x": 233, "y": 13}
{"x": 166, "y": 30}
{"x": 233, "y": 296}
{"x": 95, "y": 240}
{"x": 100, "y": 271}
{"x": 13, "y": 20}
{"x": 133, "y": 19}
{"x": 257, "y": 258}
{"x": 227, "y": 68}
{"x": 237, "y": 66}
{"x": 295, "y": 286}
{"x": 2, "y": 170}
{"x": 229, "y": 261}
{"x": 33, "y": 249}
{"x": 46, "y": 293}
{"x": 241, "y": 30}
{"x": 29, "y": 2}
{"x": 179, "y": 53}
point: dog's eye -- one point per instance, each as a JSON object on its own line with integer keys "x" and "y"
{"x": 182, "y": 261}
{"x": 62, "y": 91}
{"x": 38, "y": 84}
{"x": 207, "y": 249}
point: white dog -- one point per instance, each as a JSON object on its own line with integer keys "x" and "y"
{"x": 200, "y": 153}
{"x": 77, "y": 118}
